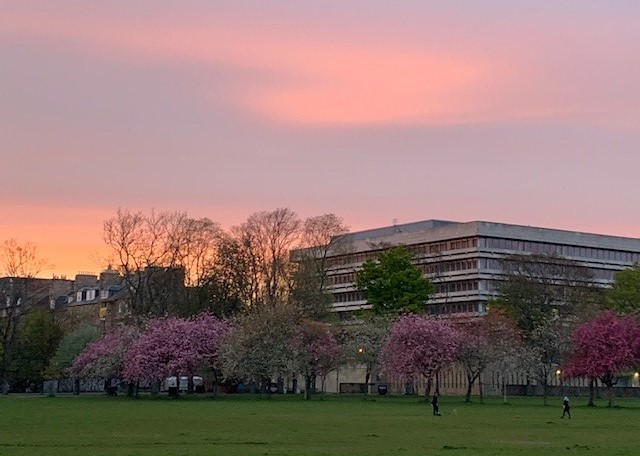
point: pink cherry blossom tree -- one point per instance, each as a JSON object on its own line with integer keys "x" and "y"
{"x": 418, "y": 346}
{"x": 175, "y": 346}
{"x": 104, "y": 358}
{"x": 603, "y": 347}
{"x": 314, "y": 351}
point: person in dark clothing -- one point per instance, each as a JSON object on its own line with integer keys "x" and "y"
{"x": 566, "y": 409}
{"x": 434, "y": 404}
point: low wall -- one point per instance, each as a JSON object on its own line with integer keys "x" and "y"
{"x": 573, "y": 391}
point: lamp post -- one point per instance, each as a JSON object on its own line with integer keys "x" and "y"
{"x": 366, "y": 377}
{"x": 559, "y": 379}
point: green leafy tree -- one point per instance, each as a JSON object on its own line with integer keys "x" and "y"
{"x": 393, "y": 284}
{"x": 38, "y": 339}
{"x": 624, "y": 296}
{"x": 70, "y": 347}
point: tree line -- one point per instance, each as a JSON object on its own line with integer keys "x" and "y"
{"x": 251, "y": 312}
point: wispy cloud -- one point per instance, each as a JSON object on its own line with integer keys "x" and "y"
{"x": 287, "y": 76}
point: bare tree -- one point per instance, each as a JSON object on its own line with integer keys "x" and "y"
{"x": 21, "y": 263}
{"x": 229, "y": 284}
{"x": 322, "y": 236}
{"x": 540, "y": 287}
{"x": 21, "y": 260}
{"x": 546, "y": 295}
{"x": 267, "y": 238}
{"x": 159, "y": 256}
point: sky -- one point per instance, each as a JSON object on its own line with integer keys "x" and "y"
{"x": 524, "y": 112}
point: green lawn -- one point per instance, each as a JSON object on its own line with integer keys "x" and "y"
{"x": 335, "y": 425}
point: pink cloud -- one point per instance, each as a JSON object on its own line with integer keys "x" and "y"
{"x": 297, "y": 78}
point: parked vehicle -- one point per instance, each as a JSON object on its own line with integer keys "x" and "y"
{"x": 198, "y": 383}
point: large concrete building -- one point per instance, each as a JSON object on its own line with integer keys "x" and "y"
{"x": 463, "y": 260}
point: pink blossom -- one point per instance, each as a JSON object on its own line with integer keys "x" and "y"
{"x": 314, "y": 348}
{"x": 605, "y": 346}
{"x": 175, "y": 346}
{"x": 105, "y": 356}
{"x": 418, "y": 346}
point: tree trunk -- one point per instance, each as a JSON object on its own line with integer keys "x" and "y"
{"x": 611, "y": 395}
{"x": 504, "y": 389}
{"x": 427, "y": 390}
{"x": 307, "y": 386}
{"x": 480, "y": 388}
{"x": 470, "y": 381}
{"x": 4, "y": 384}
{"x": 366, "y": 382}
{"x": 591, "y": 392}
{"x": 76, "y": 386}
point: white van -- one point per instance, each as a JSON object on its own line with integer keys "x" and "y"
{"x": 170, "y": 382}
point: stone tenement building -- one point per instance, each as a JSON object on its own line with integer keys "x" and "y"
{"x": 463, "y": 260}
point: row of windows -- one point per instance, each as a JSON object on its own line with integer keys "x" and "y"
{"x": 596, "y": 273}
{"x": 458, "y": 307}
{"x": 452, "y": 287}
{"x": 348, "y": 297}
{"x": 341, "y": 278}
{"x": 449, "y": 287}
{"x": 419, "y": 249}
{"x": 444, "y": 246}
{"x": 352, "y": 259}
{"x": 559, "y": 249}
{"x": 432, "y": 269}
{"x": 448, "y": 266}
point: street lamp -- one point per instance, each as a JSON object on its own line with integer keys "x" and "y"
{"x": 559, "y": 377}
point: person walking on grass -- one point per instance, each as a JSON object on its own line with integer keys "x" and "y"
{"x": 434, "y": 404}
{"x": 566, "y": 409}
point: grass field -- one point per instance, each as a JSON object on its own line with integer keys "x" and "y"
{"x": 334, "y": 425}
